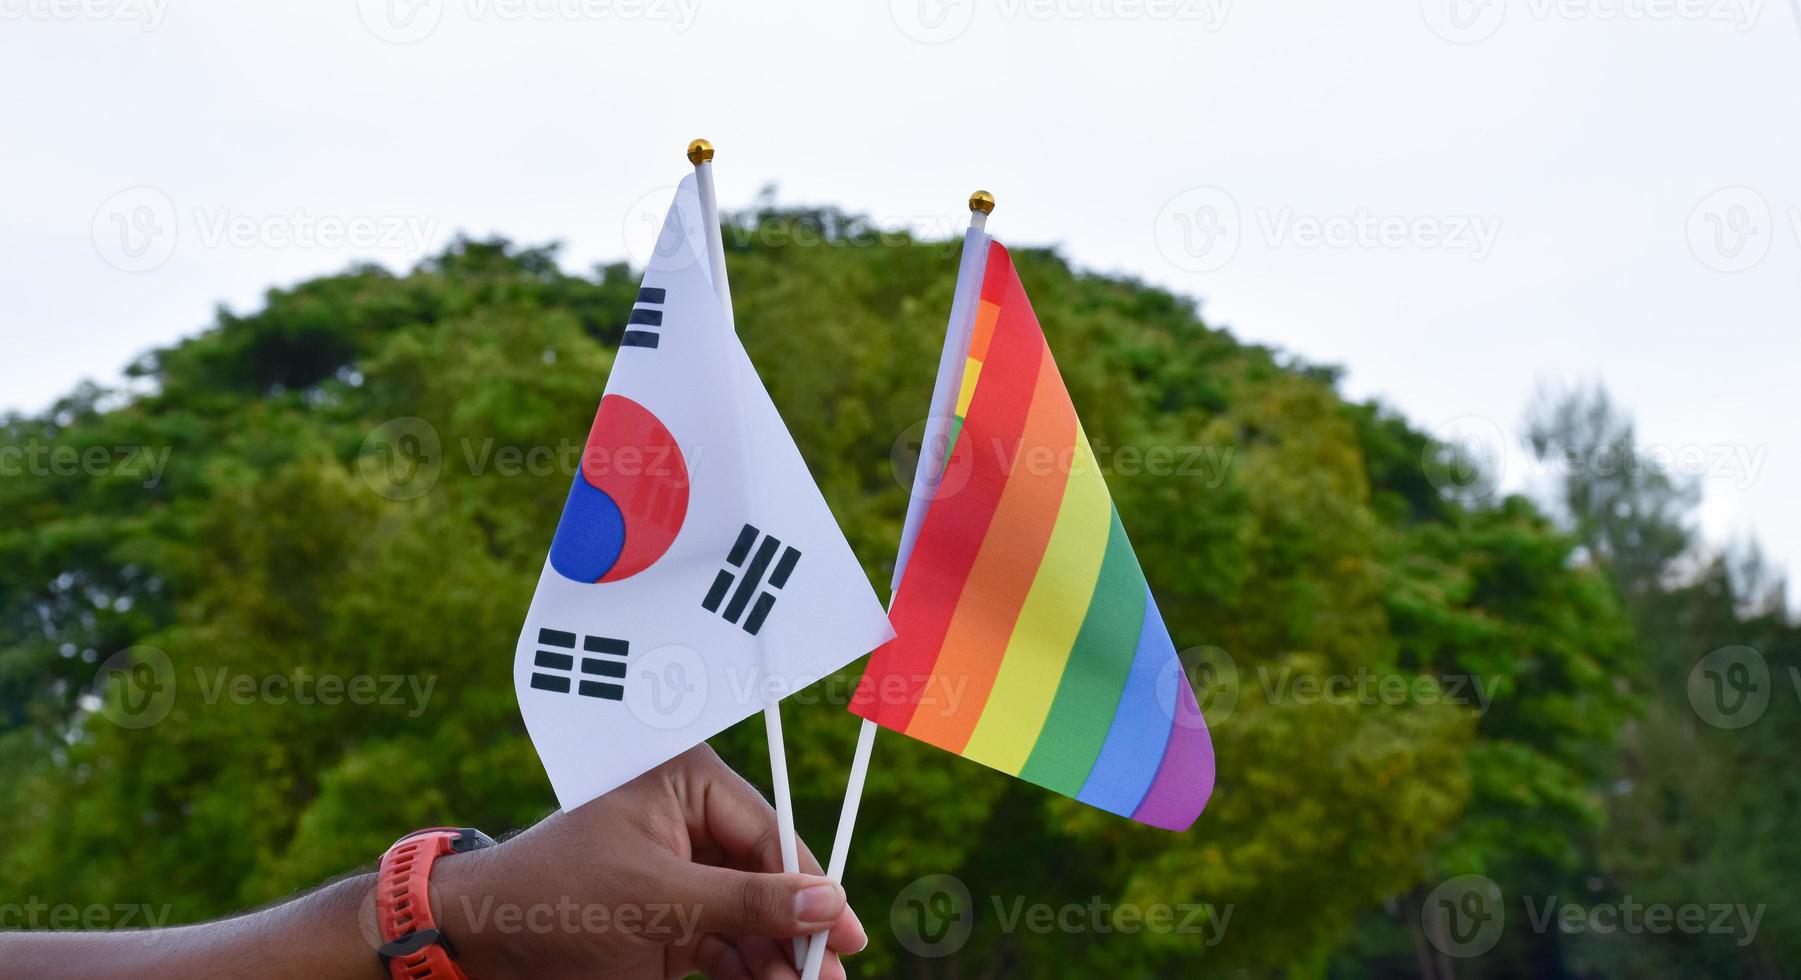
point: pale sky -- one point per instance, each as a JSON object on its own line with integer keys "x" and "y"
{"x": 1456, "y": 200}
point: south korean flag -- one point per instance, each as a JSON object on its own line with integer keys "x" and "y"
{"x": 696, "y": 565}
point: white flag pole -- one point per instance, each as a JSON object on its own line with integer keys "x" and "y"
{"x": 932, "y": 457}
{"x": 700, "y": 153}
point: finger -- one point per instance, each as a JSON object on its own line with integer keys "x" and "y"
{"x": 767, "y": 959}
{"x": 740, "y": 821}
{"x": 721, "y": 808}
{"x": 746, "y": 903}
{"x": 847, "y": 935}
{"x": 720, "y": 960}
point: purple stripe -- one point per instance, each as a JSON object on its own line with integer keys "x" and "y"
{"x": 1185, "y": 777}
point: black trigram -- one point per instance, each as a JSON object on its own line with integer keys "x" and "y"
{"x": 648, "y": 313}
{"x": 751, "y": 579}
{"x": 556, "y": 670}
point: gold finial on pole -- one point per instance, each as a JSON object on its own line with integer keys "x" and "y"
{"x": 982, "y": 201}
{"x": 699, "y": 152}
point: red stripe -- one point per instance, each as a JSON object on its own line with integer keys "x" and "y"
{"x": 958, "y": 520}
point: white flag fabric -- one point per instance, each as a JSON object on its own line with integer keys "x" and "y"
{"x": 696, "y": 568}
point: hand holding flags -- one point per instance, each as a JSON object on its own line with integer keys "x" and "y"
{"x": 695, "y": 559}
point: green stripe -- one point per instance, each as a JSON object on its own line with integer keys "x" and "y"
{"x": 1088, "y": 695}
{"x": 950, "y": 440}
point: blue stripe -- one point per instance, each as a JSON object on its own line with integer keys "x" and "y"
{"x": 1123, "y": 772}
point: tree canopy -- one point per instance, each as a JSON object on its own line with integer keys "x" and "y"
{"x": 1293, "y": 538}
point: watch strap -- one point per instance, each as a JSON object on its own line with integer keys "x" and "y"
{"x": 412, "y": 946}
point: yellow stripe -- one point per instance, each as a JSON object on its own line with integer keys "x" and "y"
{"x": 972, "y": 369}
{"x": 1048, "y": 621}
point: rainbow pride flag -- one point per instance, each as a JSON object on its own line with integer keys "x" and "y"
{"x": 1026, "y": 637}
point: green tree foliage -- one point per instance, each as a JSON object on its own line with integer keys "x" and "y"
{"x": 1292, "y": 538}
{"x": 1703, "y": 809}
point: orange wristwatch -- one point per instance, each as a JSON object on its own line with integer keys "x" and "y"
{"x": 412, "y": 947}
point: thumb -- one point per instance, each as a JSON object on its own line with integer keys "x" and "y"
{"x": 745, "y": 903}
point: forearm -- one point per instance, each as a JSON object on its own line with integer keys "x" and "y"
{"x": 319, "y": 936}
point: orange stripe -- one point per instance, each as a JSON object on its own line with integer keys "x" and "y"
{"x": 1003, "y": 571}
{"x": 983, "y": 332}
